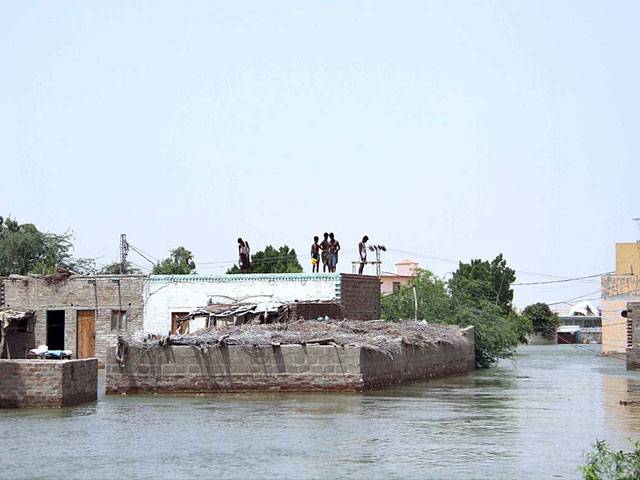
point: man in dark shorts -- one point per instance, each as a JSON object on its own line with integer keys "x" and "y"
{"x": 315, "y": 255}
{"x": 244, "y": 251}
{"x": 334, "y": 248}
{"x": 324, "y": 246}
{"x": 362, "y": 249}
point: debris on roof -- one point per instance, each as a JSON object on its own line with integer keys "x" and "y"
{"x": 378, "y": 335}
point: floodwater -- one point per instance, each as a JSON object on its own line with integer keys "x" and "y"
{"x": 530, "y": 418}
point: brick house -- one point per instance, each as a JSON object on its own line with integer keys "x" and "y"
{"x": 79, "y": 313}
{"x": 85, "y": 314}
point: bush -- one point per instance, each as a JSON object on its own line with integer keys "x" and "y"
{"x": 604, "y": 463}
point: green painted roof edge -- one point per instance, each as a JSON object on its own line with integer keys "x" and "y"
{"x": 282, "y": 277}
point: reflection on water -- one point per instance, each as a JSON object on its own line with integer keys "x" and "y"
{"x": 532, "y": 417}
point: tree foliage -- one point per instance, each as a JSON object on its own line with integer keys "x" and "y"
{"x": 434, "y": 305}
{"x": 483, "y": 280}
{"x": 114, "y": 269}
{"x": 478, "y": 294}
{"x": 604, "y": 463}
{"x": 179, "y": 262}
{"x": 271, "y": 260}
{"x": 25, "y": 249}
{"x": 543, "y": 320}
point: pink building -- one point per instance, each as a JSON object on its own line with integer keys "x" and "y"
{"x": 405, "y": 272}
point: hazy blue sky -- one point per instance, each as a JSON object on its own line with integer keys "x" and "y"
{"x": 452, "y": 129}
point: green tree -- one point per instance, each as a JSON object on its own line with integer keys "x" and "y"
{"x": 180, "y": 262}
{"x": 484, "y": 280}
{"x": 114, "y": 269}
{"x": 604, "y": 463}
{"x": 271, "y": 260}
{"x": 543, "y": 320}
{"x": 497, "y": 334}
{"x": 25, "y": 249}
{"x": 473, "y": 297}
{"x": 434, "y": 304}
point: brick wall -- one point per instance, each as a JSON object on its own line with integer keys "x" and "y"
{"x": 182, "y": 369}
{"x": 313, "y": 310}
{"x": 47, "y": 383}
{"x": 360, "y": 296}
{"x": 73, "y": 295}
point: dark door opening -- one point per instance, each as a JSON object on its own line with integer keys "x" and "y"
{"x": 55, "y": 329}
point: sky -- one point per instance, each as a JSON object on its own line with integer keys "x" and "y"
{"x": 443, "y": 130}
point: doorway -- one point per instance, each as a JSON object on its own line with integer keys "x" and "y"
{"x": 55, "y": 329}
{"x": 86, "y": 333}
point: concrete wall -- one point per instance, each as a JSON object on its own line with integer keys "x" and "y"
{"x": 180, "y": 369}
{"x": 415, "y": 364}
{"x": 633, "y": 358}
{"x": 47, "y": 383}
{"x": 617, "y": 291}
{"x": 74, "y": 294}
{"x": 628, "y": 258}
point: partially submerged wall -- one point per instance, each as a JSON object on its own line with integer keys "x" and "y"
{"x": 47, "y": 383}
{"x": 182, "y": 369}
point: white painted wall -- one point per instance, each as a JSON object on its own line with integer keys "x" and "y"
{"x": 164, "y": 294}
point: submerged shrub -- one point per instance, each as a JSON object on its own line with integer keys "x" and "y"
{"x": 604, "y": 463}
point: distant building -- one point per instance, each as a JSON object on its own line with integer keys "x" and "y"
{"x": 406, "y": 271}
{"x": 617, "y": 289}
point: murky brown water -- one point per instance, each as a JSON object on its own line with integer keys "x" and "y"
{"x": 531, "y": 418}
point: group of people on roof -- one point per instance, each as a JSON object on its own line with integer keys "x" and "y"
{"x": 325, "y": 251}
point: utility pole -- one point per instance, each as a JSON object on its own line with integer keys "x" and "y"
{"x": 637, "y": 220}
{"x": 124, "y": 250}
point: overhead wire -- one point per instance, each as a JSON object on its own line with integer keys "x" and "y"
{"x": 563, "y": 280}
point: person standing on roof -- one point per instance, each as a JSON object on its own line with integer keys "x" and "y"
{"x": 362, "y": 249}
{"x": 334, "y": 248}
{"x": 324, "y": 246}
{"x": 315, "y": 255}
{"x": 244, "y": 251}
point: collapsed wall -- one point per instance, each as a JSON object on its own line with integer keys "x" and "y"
{"x": 352, "y": 366}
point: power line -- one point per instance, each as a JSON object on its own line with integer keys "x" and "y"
{"x": 563, "y": 280}
{"x": 451, "y": 260}
{"x": 142, "y": 255}
{"x": 581, "y": 297}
